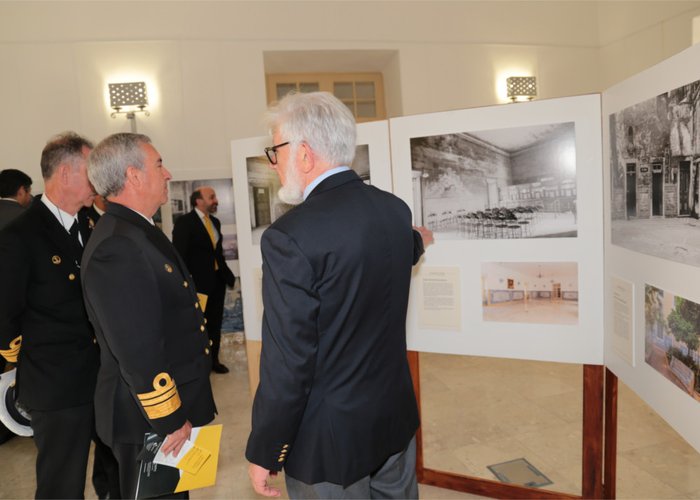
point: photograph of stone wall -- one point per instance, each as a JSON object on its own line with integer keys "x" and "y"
{"x": 507, "y": 183}
{"x": 530, "y": 292}
{"x": 672, "y": 337}
{"x": 264, "y": 184}
{"x": 654, "y": 156}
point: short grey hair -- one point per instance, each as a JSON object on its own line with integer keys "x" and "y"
{"x": 109, "y": 160}
{"x": 62, "y": 148}
{"x": 319, "y": 119}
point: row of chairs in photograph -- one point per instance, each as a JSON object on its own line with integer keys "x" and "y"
{"x": 489, "y": 223}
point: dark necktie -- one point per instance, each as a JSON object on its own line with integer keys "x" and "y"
{"x": 75, "y": 237}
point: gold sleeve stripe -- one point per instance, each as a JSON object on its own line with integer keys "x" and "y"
{"x": 12, "y": 353}
{"x": 164, "y": 400}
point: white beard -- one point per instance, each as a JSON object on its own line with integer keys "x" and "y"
{"x": 292, "y": 192}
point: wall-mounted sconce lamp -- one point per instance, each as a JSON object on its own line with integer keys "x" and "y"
{"x": 521, "y": 87}
{"x": 128, "y": 99}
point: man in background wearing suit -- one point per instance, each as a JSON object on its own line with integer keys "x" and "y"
{"x": 43, "y": 324}
{"x": 155, "y": 362}
{"x": 335, "y": 406}
{"x": 15, "y": 195}
{"x": 197, "y": 236}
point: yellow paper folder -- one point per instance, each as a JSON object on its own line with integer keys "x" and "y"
{"x": 201, "y": 460}
{"x": 208, "y": 438}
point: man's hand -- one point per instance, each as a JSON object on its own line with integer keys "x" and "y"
{"x": 175, "y": 441}
{"x": 425, "y": 234}
{"x": 259, "y": 478}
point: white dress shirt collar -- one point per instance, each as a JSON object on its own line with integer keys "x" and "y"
{"x": 325, "y": 175}
{"x": 64, "y": 218}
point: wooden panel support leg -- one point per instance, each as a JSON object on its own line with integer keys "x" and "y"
{"x": 592, "y": 480}
{"x": 610, "y": 471}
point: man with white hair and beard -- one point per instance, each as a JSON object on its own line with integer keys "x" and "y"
{"x": 335, "y": 406}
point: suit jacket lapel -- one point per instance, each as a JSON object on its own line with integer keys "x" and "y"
{"x": 199, "y": 226}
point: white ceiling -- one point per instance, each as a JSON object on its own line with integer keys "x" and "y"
{"x": 518, "y": 138}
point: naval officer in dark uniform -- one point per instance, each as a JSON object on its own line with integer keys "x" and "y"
{"x": 43, "y": 324}
{"x": 155, "y": 352}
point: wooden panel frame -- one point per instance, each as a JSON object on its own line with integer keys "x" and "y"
{"x": 599, "y": 414}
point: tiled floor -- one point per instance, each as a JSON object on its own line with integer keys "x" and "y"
{"x": 476, "y": 412}
{"x": 562, "y": 312}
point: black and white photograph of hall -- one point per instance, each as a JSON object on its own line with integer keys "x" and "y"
{"x": 505, "y": 183}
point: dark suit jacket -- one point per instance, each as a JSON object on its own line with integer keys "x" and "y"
{"x": 335, "y": 398}
{"x": 192, "y": 240}
{"x": 42, "y": 301}
{"x": 9, "y": 210}
{"x": 154, "y": 345}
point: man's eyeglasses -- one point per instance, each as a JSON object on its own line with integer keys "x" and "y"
{"x": 271, "y": 152}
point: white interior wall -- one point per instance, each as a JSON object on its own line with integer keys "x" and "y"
{"x": 637, "y": 35}
{"x": 204, "y": 61}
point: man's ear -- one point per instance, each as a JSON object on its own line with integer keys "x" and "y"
{"x": 305, "y": 158}
{"x": 133, "y": 176}
{"x": 62, "y": 171}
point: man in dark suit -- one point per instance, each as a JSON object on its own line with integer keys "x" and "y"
{"x": 335, "y": 406}
{"x": 15, "y": 195}
{"x": 155, "y": 362}
{"x": 197, "y": 236}
{"x": 43, "y": 324}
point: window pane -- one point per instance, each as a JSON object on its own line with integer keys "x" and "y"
{"x": 308, "y": 87}
{"x": 366, "y": 110}
{"x": 364, "y": 90}
{"x": 285, "y": 88}
{"x": 343, "y": 90}
{"x": 350, "y": 107}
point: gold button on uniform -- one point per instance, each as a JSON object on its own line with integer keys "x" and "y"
{"x": 168, "y": 268}
{"x": 94, "y": 340}
{"x": 56, "y": 259}
{"x": 211, "y": 342}
{"x": 281, "y": 459}
{"x": 185, "y": 284}
{"x": 206, "y": 350}
{"x": 201, "y": 328}
{"x": 71, "y": 276}
{"x": 196, "y": 305}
